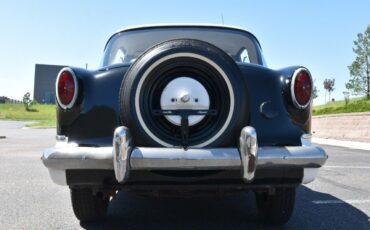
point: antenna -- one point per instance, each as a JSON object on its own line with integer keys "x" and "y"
{"x": 222, "y": 19}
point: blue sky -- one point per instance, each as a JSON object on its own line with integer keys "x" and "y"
{"x": 316, "y": 34}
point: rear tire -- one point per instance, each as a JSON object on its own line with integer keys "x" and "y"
{"x": 88, "y": 206}
{"x": 276, "y": 209}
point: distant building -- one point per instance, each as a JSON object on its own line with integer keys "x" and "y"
{"x": 44, "y": 88}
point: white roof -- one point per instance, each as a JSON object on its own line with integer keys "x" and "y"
{"x": 181, "y": 25}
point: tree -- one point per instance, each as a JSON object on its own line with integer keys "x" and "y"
{"x": 329, "y": 86}
{"x": 315, "y": 91}
{"x": 359, "y": 83}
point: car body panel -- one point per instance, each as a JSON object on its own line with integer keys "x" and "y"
{"x": 93, "y": 121}
{"x": 88, "y": 129}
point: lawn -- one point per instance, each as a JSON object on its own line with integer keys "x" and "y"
{"x": 43, "y": 115}
{"x": 354, "y": 105}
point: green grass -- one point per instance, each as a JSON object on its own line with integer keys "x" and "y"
{"x": 355, "y": 105}
{"x": 43, "y": 115}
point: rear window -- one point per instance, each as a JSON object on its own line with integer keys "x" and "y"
{"x": 126, "y": 46}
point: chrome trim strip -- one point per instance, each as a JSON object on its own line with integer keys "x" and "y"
{"x": 122, "y": 146}
{"x": 294, "y": 99}
{"x": 248, "y": 149}
{"x": 74, "y": 98}
{"x": 178, "y": 158}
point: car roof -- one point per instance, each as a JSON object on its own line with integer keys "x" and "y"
{"x": 177, "y": 25}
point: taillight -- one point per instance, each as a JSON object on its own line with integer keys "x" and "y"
{"x": 66, "y": 88}
{"x": 301, "y": 88}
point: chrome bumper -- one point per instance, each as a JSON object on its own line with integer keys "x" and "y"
{"x": 123, "y": 157}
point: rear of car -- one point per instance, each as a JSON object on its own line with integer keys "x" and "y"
{"x": 184, "y": 109}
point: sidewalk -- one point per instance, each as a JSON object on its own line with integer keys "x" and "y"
{"x": 342, "y": 143}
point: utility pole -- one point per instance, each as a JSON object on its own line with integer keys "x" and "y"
{"x": 368, "y": 78}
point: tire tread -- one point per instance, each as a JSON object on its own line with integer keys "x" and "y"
{"x": 86, "y": 206}
{"x": 276, "y": 209}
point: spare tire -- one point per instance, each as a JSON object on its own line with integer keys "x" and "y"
{"x": 190, "y": 65}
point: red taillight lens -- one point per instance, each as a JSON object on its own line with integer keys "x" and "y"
{"x": 66, "y": 89}
{"x": 302, "y": 88}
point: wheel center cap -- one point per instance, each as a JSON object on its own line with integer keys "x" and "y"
{"x": 185, "y": 98}
{"x": 184, "y": 93}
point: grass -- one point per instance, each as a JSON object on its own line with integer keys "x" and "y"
{"x": 355, "y": 105}
{"x": 43, "y": 115}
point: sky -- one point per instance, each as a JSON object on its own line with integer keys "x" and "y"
{"x": 316, "y": 34}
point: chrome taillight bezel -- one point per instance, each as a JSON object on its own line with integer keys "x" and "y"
{"x": 292, "y": 84}
{"x": 75, "y": 93}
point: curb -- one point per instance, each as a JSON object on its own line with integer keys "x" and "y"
{"x": 39, "y": 127}
{"x": 341, "y": 114}
{"x": 341, "y": 143}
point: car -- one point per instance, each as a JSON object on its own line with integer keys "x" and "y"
{"x": 184, "y": 110}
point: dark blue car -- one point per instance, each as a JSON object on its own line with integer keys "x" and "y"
{"x": 184, "y": 109}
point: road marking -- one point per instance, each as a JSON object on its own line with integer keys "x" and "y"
{"x": 346, "y": 167}
{"x": 340, "y": 201}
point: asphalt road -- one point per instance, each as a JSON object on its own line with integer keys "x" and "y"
{"x": 338, "y": 199}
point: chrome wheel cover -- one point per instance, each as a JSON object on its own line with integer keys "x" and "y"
{"x": 184, "y": 93}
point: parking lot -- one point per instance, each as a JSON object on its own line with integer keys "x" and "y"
{"x": 339, "y": 198}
